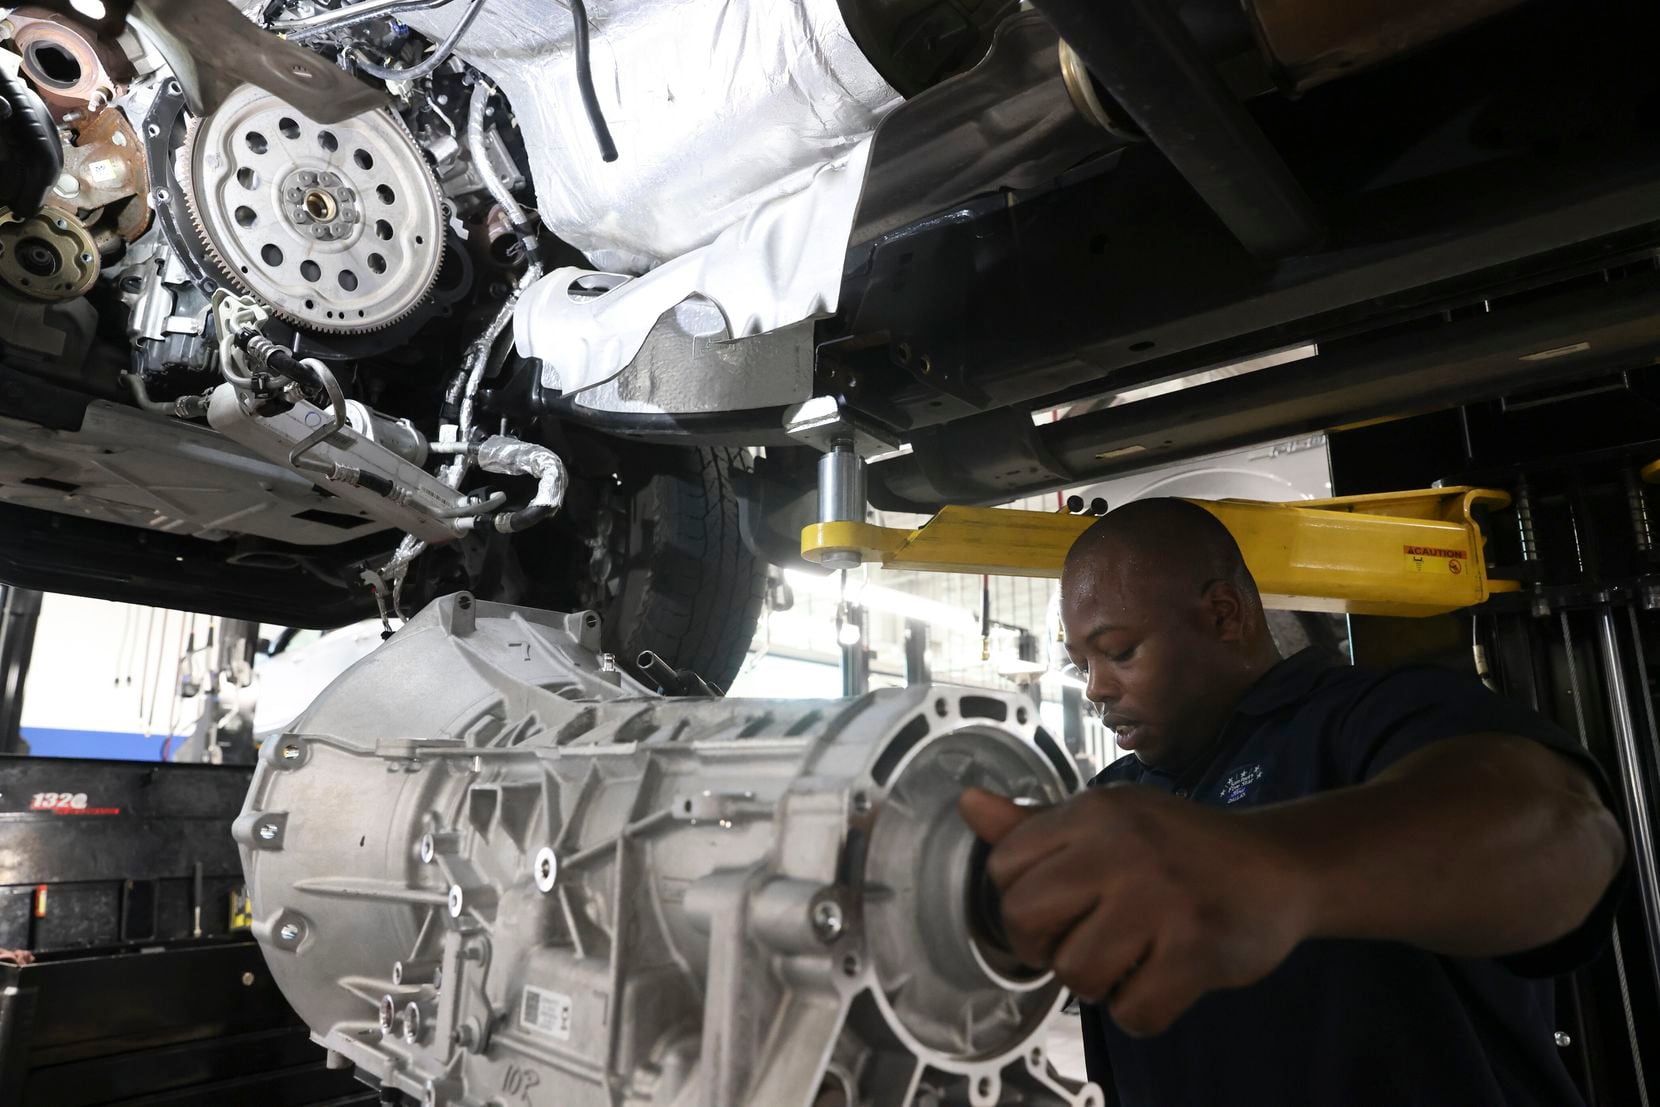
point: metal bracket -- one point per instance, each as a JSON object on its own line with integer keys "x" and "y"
{"x": 821, "y": 423}
{"x": 1403, "y": 553}
{"x": 212, "y": 48}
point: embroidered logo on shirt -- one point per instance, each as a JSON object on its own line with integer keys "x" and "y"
{"x": 1238, "y": 783}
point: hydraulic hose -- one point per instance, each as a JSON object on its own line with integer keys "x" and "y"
{"x": 585, "y": 83}
{"x": 479, "y": 151}
{"x": 511, "y": 457}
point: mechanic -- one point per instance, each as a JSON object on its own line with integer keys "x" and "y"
{"x": 1308, "y": 883}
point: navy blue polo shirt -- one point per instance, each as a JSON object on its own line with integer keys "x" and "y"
{"x": 1352, "y": 1023}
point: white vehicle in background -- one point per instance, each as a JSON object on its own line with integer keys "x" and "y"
{"x": 299, "y": 665}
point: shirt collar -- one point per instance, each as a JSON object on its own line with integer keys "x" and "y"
{"x": 1286, "y": 683}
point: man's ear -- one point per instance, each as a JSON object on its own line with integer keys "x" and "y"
{"x": 1224, "y": 610}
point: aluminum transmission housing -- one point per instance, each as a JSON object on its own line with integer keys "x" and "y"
{"x": 488, "y": 872}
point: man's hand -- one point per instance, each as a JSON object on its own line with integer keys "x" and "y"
{"x": 1139, "y": 899}
{"x": 1477, "y": 846}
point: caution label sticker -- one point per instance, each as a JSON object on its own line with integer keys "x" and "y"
{"x": 1436, "y": 559}
{"x": 547, "y": 1013}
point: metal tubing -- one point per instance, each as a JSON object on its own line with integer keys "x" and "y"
{"x": 349, "y": 16}
{"x": 1639, "y": 812}
{"x": 1141, "y": 53}
{"x": 660, "y": 672}
{"x": 337, "y": 408}
{"x": 841, "y": 497}
{"x": 855, "y": 653}
{"x": 841, "y": 485}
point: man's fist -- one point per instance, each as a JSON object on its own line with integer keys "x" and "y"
{"x": 1141, "y": 900}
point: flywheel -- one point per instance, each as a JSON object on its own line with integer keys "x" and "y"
{"x": 337, "y": 227}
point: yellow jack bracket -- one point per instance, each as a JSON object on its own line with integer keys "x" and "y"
{"x": 1402, "y": 553}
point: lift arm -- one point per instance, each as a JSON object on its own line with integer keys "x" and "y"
{"x": 1402, "y": 553}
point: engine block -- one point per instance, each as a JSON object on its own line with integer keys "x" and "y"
{"x": 488, "y": 869}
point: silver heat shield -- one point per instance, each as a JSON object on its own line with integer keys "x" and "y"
{"x": 717, "y": 106}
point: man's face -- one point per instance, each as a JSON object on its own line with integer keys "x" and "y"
{"x": 1148, "y": 650}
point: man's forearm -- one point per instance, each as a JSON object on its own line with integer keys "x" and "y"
{"x": 1478, "y": 846}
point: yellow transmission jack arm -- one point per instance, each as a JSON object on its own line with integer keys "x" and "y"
{"x": 1401, "y": 553}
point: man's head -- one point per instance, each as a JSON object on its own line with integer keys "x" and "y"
{"x": 1164, "y": 619}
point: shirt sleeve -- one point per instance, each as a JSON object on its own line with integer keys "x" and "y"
{"x": 1407, "y": 709}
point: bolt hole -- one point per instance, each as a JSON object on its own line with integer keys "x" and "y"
{"x": 256, "y": 142}
{"x": 362, "y": 159}
{"x": 861, "y": 802}
{"x": 348, "y": 280}
{"x": 850, "y": 965}
{"x": 1020, "y": 716}
{"x": 385, "y": 194}
{"x": 383, "y": 230}
{"x": 985, "y": 1086}
{"x": 327, "y": 141}
{"x": 247, "y": 178}
{"x": 310, "y": 270}
{"x": 377, "y": 264}
{"x": 687, "y": 807}
{"x": 245, "y": 216}
{"x": 288, "y": 127}
{"x": 940, "y": 708}
{"x": 309, "y": 304}
{"x": 271, "y": 255}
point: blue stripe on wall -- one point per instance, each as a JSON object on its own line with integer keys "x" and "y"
{"x": 108, "y": 744}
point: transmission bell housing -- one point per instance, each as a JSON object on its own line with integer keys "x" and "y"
{"x": 488, "y": 869}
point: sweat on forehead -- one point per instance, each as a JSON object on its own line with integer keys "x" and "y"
{"x": 1171, "y": 540}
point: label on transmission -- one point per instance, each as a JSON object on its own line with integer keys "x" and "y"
{"x": 547, "y": 1013}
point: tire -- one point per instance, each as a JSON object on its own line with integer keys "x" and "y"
{"x": 691, "y": 589}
